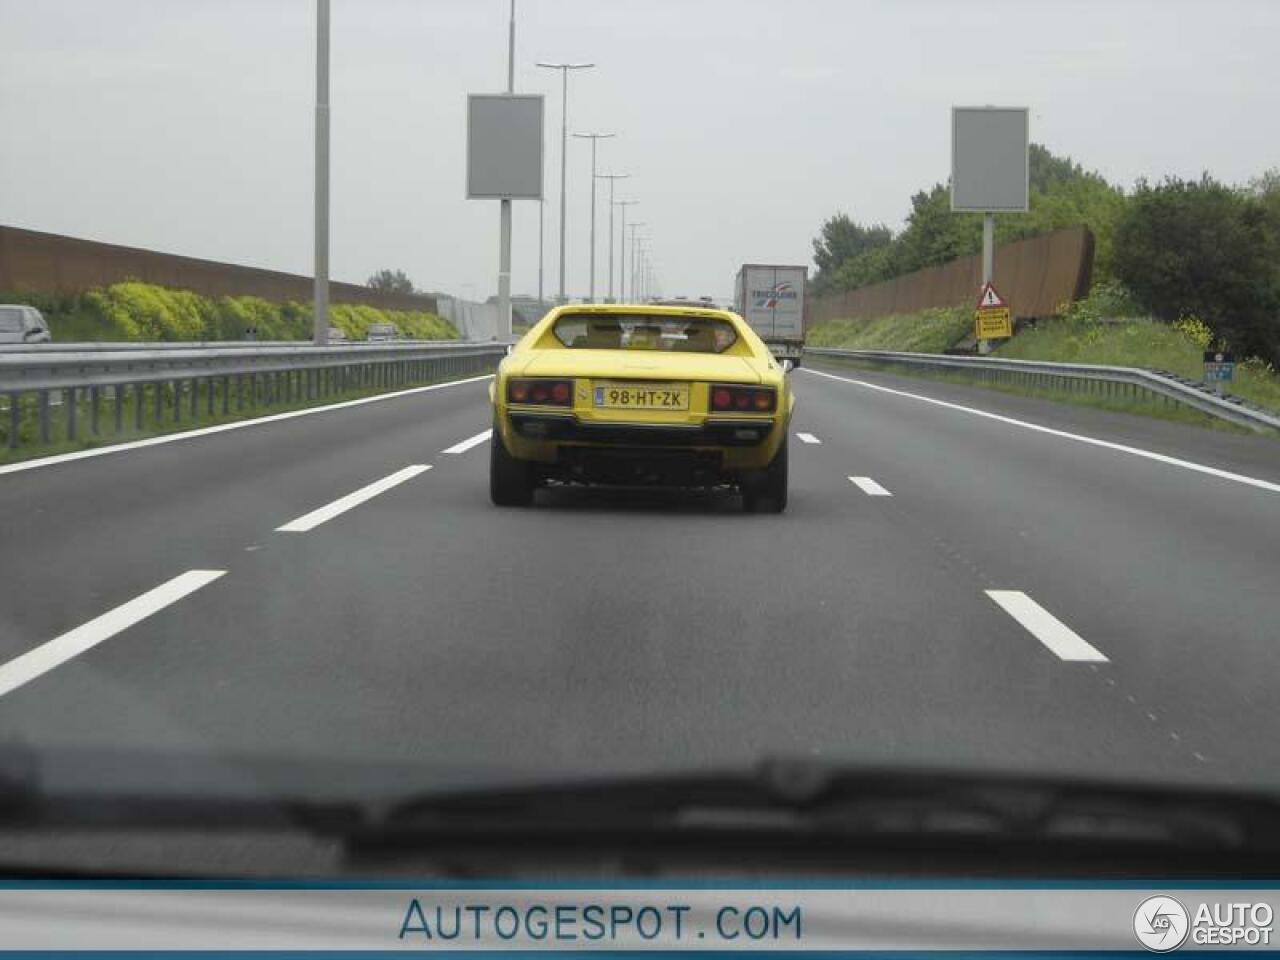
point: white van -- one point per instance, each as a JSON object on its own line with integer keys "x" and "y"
{"x": 22, "y": 324}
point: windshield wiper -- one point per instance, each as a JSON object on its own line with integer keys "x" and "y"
{"x": 786, "y": 814}
{"x": 811, "y": 813}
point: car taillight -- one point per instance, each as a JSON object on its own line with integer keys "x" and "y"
{"x": 730, "y": 399}
{"x": 555, "y": 393}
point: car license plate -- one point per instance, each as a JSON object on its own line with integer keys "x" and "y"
{"x": 642, "y": 396}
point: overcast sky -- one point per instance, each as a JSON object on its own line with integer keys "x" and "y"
{"x": 186, "y": 125}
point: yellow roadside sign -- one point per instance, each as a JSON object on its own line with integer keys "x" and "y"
{"x": 992, "y": 319}
{"x": 992, "y": 323}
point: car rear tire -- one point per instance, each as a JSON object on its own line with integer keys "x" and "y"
{"x": 767, "y": 491}
{"x": 510, "y": 480}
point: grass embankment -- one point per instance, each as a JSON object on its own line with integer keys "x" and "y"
{"x": 144, "y": 311}
{"x": 1137, "y": 343}
{"x": 930, "y": 331}
{"x": 1081, "y": 336}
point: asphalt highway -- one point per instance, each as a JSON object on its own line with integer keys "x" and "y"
{"x": 962, "y": 578}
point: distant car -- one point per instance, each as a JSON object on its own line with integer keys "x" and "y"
{"x": 382, "y": 331}
{"x": 337, "y": 336}
{"x": 636, "y": 394}
{"x": 22, "y": 324}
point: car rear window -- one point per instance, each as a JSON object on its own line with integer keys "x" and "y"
{"x": 664, "y": 333}
{"x": 10, "y": 320}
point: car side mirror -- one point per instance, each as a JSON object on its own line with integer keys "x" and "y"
{"x": 510, "y": 347}
{"x": 788, "y": 365}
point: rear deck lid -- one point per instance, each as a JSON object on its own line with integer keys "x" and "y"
{"x": 640, "y": 365}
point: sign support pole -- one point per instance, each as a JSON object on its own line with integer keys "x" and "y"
{"x": 320, "y": 295}
{"x": 504, "y": 214}
{"x": 988, "y": 262}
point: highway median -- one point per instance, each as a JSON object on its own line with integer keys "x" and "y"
{"x": 66, "y": 403}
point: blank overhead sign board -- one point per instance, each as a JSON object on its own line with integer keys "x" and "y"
{"x": 504, "y": 146}
{"x": 989, "y": 158}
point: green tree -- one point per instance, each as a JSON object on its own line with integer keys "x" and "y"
{"x": 843, "y": 239}
{"x": 934, "y": 234}
{"x": 871, "y": 266}
{"x": 1062, "y": 194}
{"x": 1085, "y": 199}
{"x": 1046, "y": 170}
{"x": 1200, "y": 248}
{"x": 391, "y": 281}
{"x": 1266, "y": 190}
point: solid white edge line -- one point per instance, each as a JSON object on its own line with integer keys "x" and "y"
{"x": 53, "y": 653}
{"x": 808, "y": 438}
{"x": 870, "y": 487}
{"x": 1064, "y": 642}
{"x": 222, "y": 427}
{"x": 309, "y": 521}
{"x": 1050, "y": 431}
{"x": 464, "y": 445}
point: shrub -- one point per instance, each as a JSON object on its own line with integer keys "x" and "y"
{"x": 156, "y": 313}
{"x": 1195, "y": 330}
{"x": 133, "y": 310}
{"x": 1202, "y": 249}
{"x": 1107, "y": 300}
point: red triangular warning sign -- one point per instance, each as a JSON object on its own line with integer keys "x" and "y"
{"x": 989, "y": 297}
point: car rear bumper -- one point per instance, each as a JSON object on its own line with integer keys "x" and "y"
{"x": 568, "y": 428}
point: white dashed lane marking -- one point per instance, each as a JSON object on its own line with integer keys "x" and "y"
{"x": 60, "y": 649}
{"x": 309, "y": 521}
{"x": 1064, "y": 642}
{"x": 462, "y": 446}
{"x": 870, "y": 487}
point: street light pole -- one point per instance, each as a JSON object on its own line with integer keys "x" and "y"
{"x": 611, "y": 177}
{"x": 593, "y": 137}
{"x": 564, "y": 69}
{"x": 642, "y": 255}
{"x": 633, "y": 258}
{"x": 637, "y": 285}
{"x": 320, "y": 307}
{"x": 622, "y": 253}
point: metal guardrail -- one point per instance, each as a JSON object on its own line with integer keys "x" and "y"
{"x": 1084, "y": 377}
{"x": 89, "y": 346}
{"x": 162, "y": 386}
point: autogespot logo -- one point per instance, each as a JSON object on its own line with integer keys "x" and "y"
{"x": 1161, "y": 924}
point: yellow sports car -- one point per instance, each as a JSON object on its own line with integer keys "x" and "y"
{"x": 638, "y": 395}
